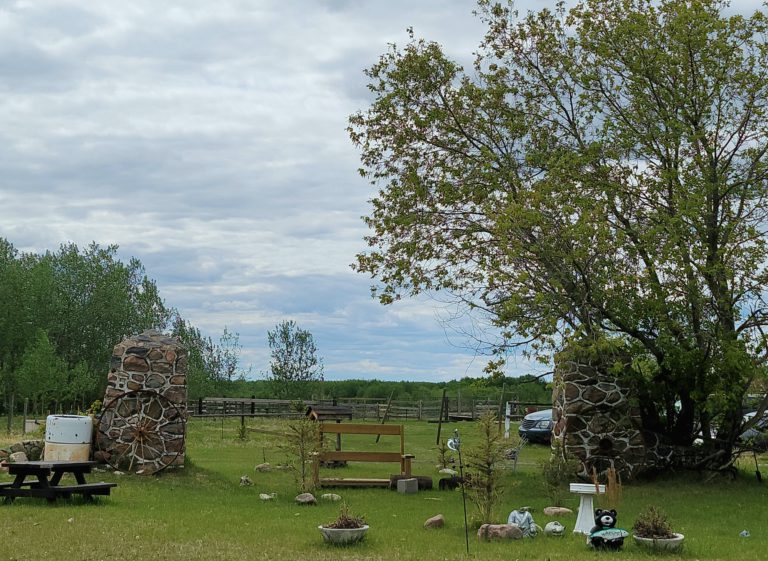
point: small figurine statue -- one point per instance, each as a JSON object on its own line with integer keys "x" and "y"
{"x": 605, "y": 535}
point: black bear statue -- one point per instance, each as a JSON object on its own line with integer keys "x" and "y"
{"x": 605, "y": 534}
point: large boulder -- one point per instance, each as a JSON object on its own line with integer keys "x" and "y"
{"x": 437, "y": 521}
{"x": 499, "y": 532}
{"x": 557, "y": 511}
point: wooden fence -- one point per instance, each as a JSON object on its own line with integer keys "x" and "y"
{"x": 367, "y": 409}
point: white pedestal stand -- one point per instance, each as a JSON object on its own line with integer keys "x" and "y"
{"x": 585, "y": 520}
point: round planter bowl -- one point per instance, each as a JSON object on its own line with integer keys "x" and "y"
{"x": 343, "y": 536}
{"x": 661, "y": 544}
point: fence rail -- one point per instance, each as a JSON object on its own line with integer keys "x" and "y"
{"x": 361, "y": 408}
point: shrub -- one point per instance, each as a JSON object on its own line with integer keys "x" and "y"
{"x": 558, "y": 472}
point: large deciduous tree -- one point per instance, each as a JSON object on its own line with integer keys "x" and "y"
{"x": 600, "y": 175}
{"x": 294, "y": 363}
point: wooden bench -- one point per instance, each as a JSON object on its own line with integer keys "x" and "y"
{"x": 343, "y": 456}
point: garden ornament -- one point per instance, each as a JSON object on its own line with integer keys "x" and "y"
{"x": 605, "y": 535}
{"x": 524, "y": 520}
{"x": 554, "y": 528}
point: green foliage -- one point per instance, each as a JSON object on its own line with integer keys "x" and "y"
{"x": 653, "y": 523}
{"x": 484, "y": 460}
{"x": 294, "y": 365}
{"x": 302, "y": 443}
{"x": 84, "y": 301}
{"x": 94, "y": 409}
{"x": 42, "y": 374}
{"x": 211, "y": 366}
{"x": 444, "y": 458}
{"x": 558, "y": 471}
{"x": 242, "y": 432}
{"x": 601, "y": 173}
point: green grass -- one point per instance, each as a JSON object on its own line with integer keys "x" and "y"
{"x": 202, "y": 513}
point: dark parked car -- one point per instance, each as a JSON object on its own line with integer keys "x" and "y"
{"x": 537, "y": 427}
{"x": 757, "y": 435}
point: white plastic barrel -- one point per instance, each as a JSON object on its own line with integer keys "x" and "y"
{"x": 68, "y": 437}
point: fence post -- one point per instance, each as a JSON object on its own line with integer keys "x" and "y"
{"x": 24, "y": 419}
{"x": 253, "y": 405}
{"x": 200, "y": 406}
{"x": 10, "y": 412}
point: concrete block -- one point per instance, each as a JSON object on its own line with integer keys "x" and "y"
{"x": 408, "y": 485}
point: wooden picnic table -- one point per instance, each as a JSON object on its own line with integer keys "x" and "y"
{"x": 46, "y": 481}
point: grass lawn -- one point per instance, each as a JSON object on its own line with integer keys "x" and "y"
{"x": 203, "y": 513}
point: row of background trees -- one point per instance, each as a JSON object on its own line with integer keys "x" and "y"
{"x": 62, "y": 312}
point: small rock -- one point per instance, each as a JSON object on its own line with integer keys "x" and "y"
{"x": 306, "y": 499}
{"x": 263, "y": 467}
{"x": 744, "y": 533}
{"x": 448, "y": 471}
{"x": 245, "y": 481}
{"x": 18, "y": 447}
{"x": 101, "y": 456}
{"x": 116, "y": 472}
{"x": 500, "y": 532}
{"x": 70, "y": 520}
{"x": 267, "y": 496}
{"x": 557, "y": 511}
{"x": 330, "y": 497}
{"x": 18, "y": 457}
{"x": 554, "y": 529}
{"x": 437, "y": 521}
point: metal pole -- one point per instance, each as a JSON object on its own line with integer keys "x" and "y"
{"x": 457, "y": 442}
{"x": 440, "y": 418}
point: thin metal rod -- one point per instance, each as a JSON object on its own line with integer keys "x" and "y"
{"x": 463, "y": 496}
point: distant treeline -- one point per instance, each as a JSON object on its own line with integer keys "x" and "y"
{"x": 528, "y": 389}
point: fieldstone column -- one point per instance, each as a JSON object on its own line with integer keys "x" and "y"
{"x": 151, "y": 364}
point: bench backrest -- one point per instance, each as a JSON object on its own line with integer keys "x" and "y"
{"x": 352, "y": 428}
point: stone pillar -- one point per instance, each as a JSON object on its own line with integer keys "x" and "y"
{"x": 595, "y": 421}
{"x": 145, "y": 431}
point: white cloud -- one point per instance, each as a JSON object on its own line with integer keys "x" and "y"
{"x": 208, "y": 140}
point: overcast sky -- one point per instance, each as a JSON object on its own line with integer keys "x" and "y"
{"x": 208, "y": 140}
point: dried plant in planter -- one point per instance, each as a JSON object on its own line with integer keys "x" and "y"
{"x": 653, "y": 523}
{"x": 346, "y": 520}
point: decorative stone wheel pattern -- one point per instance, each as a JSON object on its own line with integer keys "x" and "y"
{"x": 141, "y": 431}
